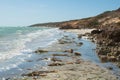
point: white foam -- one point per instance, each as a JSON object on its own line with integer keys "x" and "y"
{"x": 18, "y": 53}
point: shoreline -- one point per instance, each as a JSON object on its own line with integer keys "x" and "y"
{"x": 70, "y": 66}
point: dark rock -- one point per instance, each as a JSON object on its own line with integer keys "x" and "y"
{"x": 77, "y": 54}
{"x": 103, "y": 51}
{"x": 41, "y": 51}
{"x": 112, "y": 58}
{"x": 29, "y": 69}
{"x": 42, "y": 59}
{"x": 55, "y": 59}
{"x": 8, "y": 79}
{"x": 96, "y": 31}
{"x": 61, "y": 42}
{"x": 38, "y": 73}
{"x": 60, "y": 54}
{"x": 115, "y": 35}
{"x": 110, "y": 68}
{"x": 80, "y": 43}
{"x": 35, "y": 73}
{"x": 65, "y": 41}
{"x": 103, "y": 58}
{"x": 117, "y": 53}
{"x": 29, "y": 60}
{"x": 70, "y": 51}
{"x": 56, "y": 64}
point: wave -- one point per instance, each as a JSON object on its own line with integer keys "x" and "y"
{"x": 16, "y": 55}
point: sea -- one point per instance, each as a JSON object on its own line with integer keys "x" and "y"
{"x": 18, "y": 43}
{"x": 17, "y": 46}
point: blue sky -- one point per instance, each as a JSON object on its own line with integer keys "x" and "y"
{"x": 27, "y": 12}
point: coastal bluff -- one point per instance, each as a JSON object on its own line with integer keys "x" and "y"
{"x": 103, "y": 19}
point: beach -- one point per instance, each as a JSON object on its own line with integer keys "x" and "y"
{"x": 65, "y": 62}
{"x": 60, "y": 40}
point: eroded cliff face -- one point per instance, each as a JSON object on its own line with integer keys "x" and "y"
{"x": 106, "y": 18}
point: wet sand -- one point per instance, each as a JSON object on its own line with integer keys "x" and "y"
{"x": 70, "y": 66}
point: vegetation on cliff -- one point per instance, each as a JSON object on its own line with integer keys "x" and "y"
{"x": 106, "y": 18}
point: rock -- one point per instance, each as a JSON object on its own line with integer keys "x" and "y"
{"x": 118, "y": 58}
{"x": 41, "y": 51}
{"x": 80, "y": 43}
{"x": 103, "y": 58}
{"x": 96, "y": 31}
{"x": 118, "y": 64}
{"x": 110, "y": 68}
{"x": 38, "y": 73}
{"x": 61, "y": 42}
{"x": 117, "y": 53}
{"x": 60, "y": 54}
{"x": 56, "y": 64}
{"x": 115, "y": 35}
{"x": 78, "y": 61}
{"x": 77, "y": 54}
{"x": 29, "y": 69}
{"x": 69, "y": 63}
{"x": 7, "y": 79}
{"x": 55, "y": 59}
{"x": 35, "y": 73}
{"x": 43, "y": 74}
{"x": 79, "y": 36}
{"x": 103, "y": 51}
{"x": 42, "y": 59}
{"x": 70, "y": 51}
{"x": 29, "y": 60}
{"x": 112, "y": 58}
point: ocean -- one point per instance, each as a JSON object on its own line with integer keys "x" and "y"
{"x": 16, "y": 44}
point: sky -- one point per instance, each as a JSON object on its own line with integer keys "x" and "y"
{"x": 27, "y": 12}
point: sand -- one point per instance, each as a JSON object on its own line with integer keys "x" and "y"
{"x": 79, "y": 31}
{"x": 74, "y": 68}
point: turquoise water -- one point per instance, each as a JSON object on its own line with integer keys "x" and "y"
{"x": 17, "y": 42}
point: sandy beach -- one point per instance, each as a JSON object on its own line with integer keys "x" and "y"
{"x": 65, "y": 63}
{"x": 79, "y": 31}
{"x": 60, "y": 40}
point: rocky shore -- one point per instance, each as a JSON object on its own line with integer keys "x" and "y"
{"x": 105, "y": 34}
{"x": 108, "y": 43}
{"x": 65, "y": 62}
